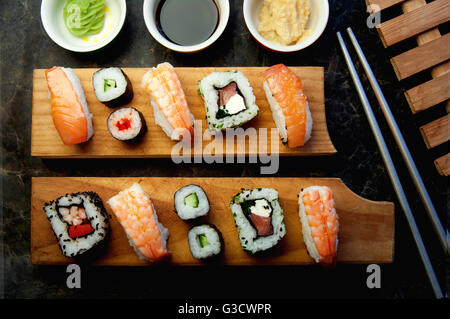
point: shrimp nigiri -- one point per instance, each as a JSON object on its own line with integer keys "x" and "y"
{"x": 320, "y": 223}
{"x": 169, "y": 103}
{"x": 289, "y": 105}
{"x": 135, "y": 212}
{"x": 70, "y": 111}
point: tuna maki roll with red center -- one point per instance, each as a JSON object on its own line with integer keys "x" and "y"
{"x": 126, "y": 124}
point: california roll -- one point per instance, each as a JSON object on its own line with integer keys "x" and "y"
{"x": 229, "y": 100}
{"x": 259, "y": 219}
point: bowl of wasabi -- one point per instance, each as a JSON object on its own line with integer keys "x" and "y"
{"x": 83, "y": 25}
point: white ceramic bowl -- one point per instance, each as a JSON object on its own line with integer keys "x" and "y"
{"x": 317, "y": 23}
{"x": 53, "y": 22}
{"x": 149, "y": 18}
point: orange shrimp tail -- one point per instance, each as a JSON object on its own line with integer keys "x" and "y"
{"x": 165, "y": 87}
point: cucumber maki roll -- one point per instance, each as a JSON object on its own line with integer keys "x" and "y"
{"x": 191, "y": 202}
{"x": 112, "y": 87}
{"x": 259, "y": 219}
{"x": 229, "y": 100}
{"x": 205, "y": 241}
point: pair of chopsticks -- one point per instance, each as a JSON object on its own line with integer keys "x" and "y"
{"x": 443, "y": 235}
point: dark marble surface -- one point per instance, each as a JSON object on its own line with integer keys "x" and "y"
{"x": 25, "y": 46}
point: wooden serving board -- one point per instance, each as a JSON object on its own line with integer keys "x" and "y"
{"x": 45, "y": 141}
{"x": 366, "y": 227}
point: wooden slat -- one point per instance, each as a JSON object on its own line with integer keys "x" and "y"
{"x": 429, "y": 93}
{"x": 423, "y": 39}
{"x": 45, "y": 141}
{"x": 422, "y": 57}
{"x": 411, "y": 5}
{"x": 441, "y": 69}
{"x": 415, "y": 22}
{"x": 436, "y": 132}
{"x": 427, "y": 36}
{"x": 366, "y": 228}
{"x": 382, "y": 4}
{"x": 443, "y": 165}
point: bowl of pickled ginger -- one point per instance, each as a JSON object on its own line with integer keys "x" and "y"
{"x": 286, "y": 25}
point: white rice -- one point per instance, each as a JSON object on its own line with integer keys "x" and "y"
{"x": 187, "y": 212}
{"x": 214, "y": 246}
{"x": 161, "y": 120}
{"x": 248, "y": 235}
{"x": 73, "y": 78}
{"x": 208, "y": 89}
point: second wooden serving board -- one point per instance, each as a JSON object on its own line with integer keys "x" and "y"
{"x": 366, "y": 227}
{"x": 46, "y": 143}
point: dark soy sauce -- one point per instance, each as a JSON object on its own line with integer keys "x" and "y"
{"x": 187, "y": 22}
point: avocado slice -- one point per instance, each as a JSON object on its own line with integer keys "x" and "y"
{"x": 191, "y": 200}
{"x": 109, "y": 84}
{"x": 203, "y": 240}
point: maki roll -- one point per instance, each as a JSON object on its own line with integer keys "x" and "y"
{"x": 126, "y": 124}
{"x": 228, "y": 99}
{"x": 289, "y": 105}
{"x": 320, "y": 223}
{"x": 112, "y": 87}
{"x": 205, "y": 241}
{"x": 79, "y": 222}
{"x": 191, "y": 202}
{"x": 70, "y": 111}
{"x": 135, "y": 211}
{"x": 259, "y": 219}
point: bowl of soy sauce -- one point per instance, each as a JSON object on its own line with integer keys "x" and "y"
{"x": 186, "y": 25}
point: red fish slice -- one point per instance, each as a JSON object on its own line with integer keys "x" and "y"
{"x": 80, "y": 230}
{"x": 227, "y": 93}
{"x": 262, "y": 224}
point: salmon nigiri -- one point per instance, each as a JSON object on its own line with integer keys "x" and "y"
{"x": 135, "y": 211}
{"x": 320, "y": 223}
{"x": 70, "y": 111}
{"x": 289, "y": 105}
{"x": 169, "y": 103}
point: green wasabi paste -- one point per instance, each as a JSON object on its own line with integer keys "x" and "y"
{"x": 84, "y": 17}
